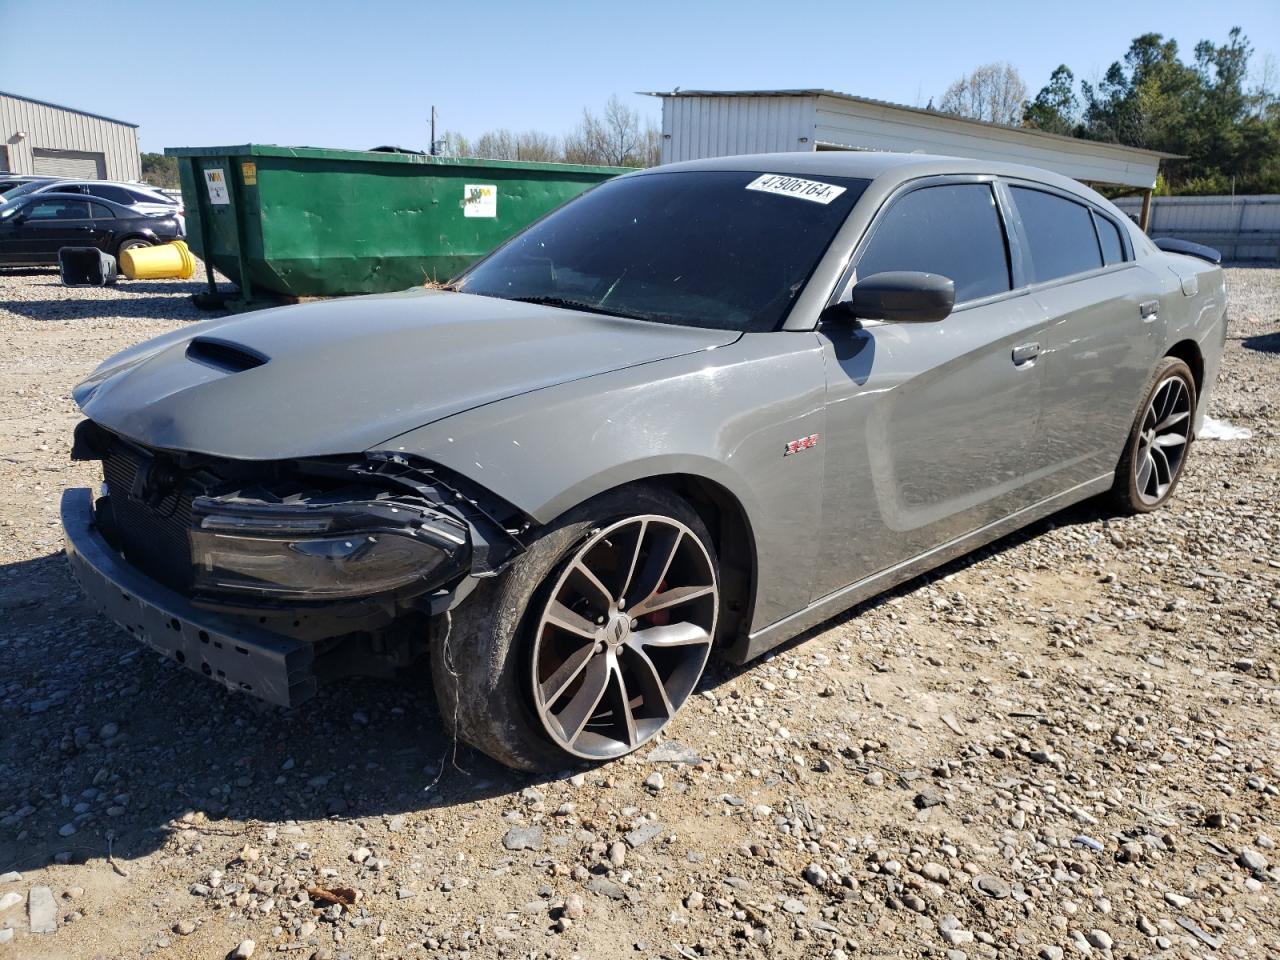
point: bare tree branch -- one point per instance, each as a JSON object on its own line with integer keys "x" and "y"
{"x": 993, "y": 92}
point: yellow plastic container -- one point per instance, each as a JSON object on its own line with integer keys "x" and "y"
{"x": 167, "y": 261}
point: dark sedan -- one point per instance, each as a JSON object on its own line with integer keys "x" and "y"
{"x": 34, "y": 228}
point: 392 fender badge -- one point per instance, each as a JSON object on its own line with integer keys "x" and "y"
{"x": 804, "y": 443}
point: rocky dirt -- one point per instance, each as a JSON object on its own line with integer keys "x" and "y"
{"x": 1067, "y": 745}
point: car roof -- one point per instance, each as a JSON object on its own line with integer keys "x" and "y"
{"x": 873, "y": 165}
{"x": 55, "y": 182}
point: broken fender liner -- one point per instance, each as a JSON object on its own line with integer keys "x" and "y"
{"x": 238, "y": 656}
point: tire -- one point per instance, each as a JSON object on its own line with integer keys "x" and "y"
{"x": 1152, "y": 464}
{"x": 131, "y": 243}
{"x": 504, "y": 663}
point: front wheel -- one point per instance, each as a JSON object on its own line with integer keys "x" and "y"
{"x": 1159, "y": 441}
{"x": 585, "y": 648}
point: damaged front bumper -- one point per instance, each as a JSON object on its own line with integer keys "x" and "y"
{"x": 239, "y": 656}
{"x": 269, "y": 576}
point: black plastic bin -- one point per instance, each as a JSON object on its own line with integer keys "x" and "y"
{"x": 86, "y": 267}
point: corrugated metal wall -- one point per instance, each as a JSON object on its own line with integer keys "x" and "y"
{"x": 697, "y": 127}
{"x": 50, "y": 128}
{"x": 1242, "y": 228}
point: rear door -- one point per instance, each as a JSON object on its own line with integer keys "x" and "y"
{"x": 930, "y": 426}
{"x": 1104, "y": 335}
{"x": 102, "y": 226}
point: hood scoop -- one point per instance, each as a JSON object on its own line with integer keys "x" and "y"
{"x": 224, "y": 356}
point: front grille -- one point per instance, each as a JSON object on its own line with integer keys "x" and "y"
{"x": 153, "y": 537}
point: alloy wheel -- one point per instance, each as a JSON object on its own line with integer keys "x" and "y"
{"x": 1162, "y": 440}
{"x": 623, "y": 636}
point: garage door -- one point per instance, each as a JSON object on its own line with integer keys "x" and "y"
{"x": 69, "y": 163}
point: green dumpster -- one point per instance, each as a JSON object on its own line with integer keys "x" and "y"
{"x": 289, "y": 222}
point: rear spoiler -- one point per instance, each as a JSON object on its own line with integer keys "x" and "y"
{"x": 1174, "y": 245}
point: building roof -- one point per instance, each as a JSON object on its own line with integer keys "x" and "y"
{"x": 58, "y": 106}
{"x": 885, "y": 104}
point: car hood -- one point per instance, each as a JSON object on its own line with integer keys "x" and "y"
{"x": 346, "y": 375}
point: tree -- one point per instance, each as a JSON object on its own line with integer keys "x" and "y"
{"x": 160, "y": 171}
{"x": 993, "y": 92}
{"x": 1227, "y": 133}
{"x": 1144, "y": 101}
{"x": 504, "y": 145}
{"x": 616, "y": 138}
{"x": 1056, "y": 108}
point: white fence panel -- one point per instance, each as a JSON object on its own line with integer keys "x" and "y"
{"x": 1242, "y": 228}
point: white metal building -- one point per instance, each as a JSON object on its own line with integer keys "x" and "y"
{"x": 720, "y": 123}
{"x": 46, "y": 139}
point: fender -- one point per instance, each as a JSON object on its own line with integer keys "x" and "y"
{"x": 549, "y": 450}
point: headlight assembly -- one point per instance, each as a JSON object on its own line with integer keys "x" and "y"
{"x": 322, "y": 551}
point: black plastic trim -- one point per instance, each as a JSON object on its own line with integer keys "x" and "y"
{"x": 238, "y": 656}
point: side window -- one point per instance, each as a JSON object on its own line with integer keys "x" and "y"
{"x": 102, "y": 212}
{"x": 952, "y": 230}
{"x": 58, "y": 210}
{"x": 1109, "y": 237}
{"x": 108, "y": 192}
{"x": 1059, "y": 233}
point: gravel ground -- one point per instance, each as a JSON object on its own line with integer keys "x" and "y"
{"x": 1067, "y": 744}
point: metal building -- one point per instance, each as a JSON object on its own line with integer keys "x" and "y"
{"x": 46, "y": 139}
{"x": 720, "y": 123}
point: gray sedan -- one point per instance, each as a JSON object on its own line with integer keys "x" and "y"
{"x": 702, "y": 407}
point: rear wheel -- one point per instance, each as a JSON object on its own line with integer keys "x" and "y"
{"x": 1159, "y": 441}
{"x": 132, "y": 243}
{"x": 585, "y": 648}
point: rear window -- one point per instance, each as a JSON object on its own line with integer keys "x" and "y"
{"x": 145, "y": 196}
{"x": 109, "y": 192}
{"x": 1109, "y": 237}
{"x": 1059, "y": 233}
{"x": 102, "y": 212}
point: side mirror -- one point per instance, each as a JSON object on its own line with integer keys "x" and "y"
{"x": 902, "y": 296}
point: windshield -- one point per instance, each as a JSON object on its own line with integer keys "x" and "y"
{"x": 724, "y": 249}
{"x": 26, "y": 188}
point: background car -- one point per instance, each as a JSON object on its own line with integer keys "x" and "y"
{"x": 10, "y": 182}
{"x": 139, "y": 197}
{"x": 707, "y": 405}
{"x": 34, "y": 228}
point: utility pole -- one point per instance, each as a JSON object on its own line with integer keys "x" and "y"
{"x": 434, "y": 149}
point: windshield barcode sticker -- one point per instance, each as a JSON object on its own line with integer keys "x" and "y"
{"x": 813, "y": 190}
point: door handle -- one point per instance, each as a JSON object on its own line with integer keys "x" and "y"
{"x": 1149, "y": 310}
{"x": 1025, "y": 353}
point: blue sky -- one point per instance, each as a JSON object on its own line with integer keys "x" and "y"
{"x": 359, "y": 74}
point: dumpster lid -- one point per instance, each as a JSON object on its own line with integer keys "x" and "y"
{"x": 371, "y": 156}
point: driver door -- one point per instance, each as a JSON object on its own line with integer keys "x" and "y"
{"x": 49, "y": 225}
{"x": 930, "y": 427}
